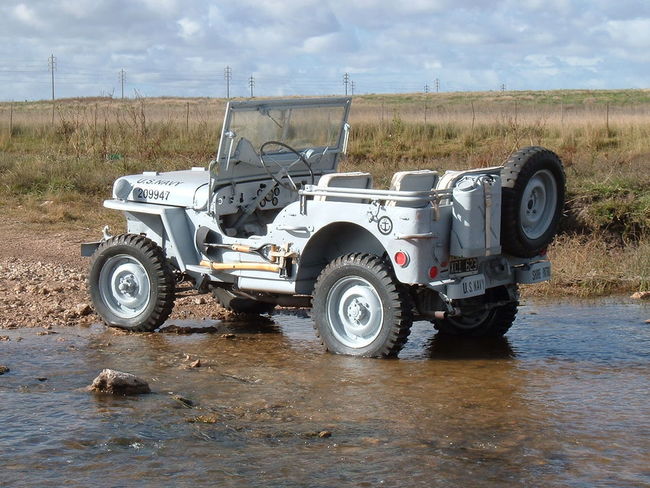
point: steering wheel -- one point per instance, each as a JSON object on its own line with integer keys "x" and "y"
{"x": 284, "y": 170}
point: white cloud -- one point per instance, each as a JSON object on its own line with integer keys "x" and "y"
{"x": 634, "y": 33}
{"x": 188, "y": 27}
{"x": 26, "y": 15}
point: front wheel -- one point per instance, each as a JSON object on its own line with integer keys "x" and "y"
{"x": 360, "y": 309}
{"x": 488, "y": 315}
{"x": 131, "y": 283}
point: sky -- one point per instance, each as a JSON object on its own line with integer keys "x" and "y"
{"x": 305, "y": 47}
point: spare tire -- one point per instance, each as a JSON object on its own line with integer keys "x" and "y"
{"x": 533, "y": 189}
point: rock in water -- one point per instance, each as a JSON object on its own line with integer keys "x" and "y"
{"x": 4, "y": 369}
{"x": 119, "y": 383}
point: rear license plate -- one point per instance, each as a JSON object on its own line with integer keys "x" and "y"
{"x": 460, "y": 266}
{"x": 470, "y": 286}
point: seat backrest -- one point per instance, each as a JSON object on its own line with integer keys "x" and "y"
{"x": 355, "y": 179}
{"x": 419, "y": 180}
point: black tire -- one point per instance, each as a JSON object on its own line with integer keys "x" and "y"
{"x": 533, "y": 190}
{"x": 360, "y": 309}
{"x": 131, "y": 283}
{"x": 238, "y": 304}
{"x": 478, "y": 321}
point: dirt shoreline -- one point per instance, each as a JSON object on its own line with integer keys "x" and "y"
{"x": 43, "y": 280}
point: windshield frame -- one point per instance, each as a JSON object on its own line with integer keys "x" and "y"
{"x": 227, "y": 159}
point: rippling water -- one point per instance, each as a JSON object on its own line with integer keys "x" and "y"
{"x": 562, "y": 401}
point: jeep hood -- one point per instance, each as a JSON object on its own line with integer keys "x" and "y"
{"x": 187, "y": 188}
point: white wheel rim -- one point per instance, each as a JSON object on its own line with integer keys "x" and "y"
{"x": 124, "y": 286}
{"x": 538, "y": 203}
{"x": 354, "y": 312}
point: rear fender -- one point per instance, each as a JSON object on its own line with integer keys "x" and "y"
{"x": 330, "y": 242}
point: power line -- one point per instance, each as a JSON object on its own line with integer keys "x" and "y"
{"x": 352, "y": 86}
{"x": 227, "y": 74}
{"x": 346, "y": 81}
{"x": 437, "y": 82}
{"x": 251, "y": 84}
{"x": 122, "y": 77}
{"x": 52, "y": 65}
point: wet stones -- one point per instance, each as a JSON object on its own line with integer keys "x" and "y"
{"x": 4, "y": 369}
{"x": 119, "y": 383}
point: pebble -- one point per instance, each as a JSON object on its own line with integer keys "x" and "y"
{"x": 186, "y": 402}
{"x": 324, "y": 434}
{"x": 195, "y": 364}
{"x": 83, "y": 309}
{"x": 4, "y": 369}
{"x": 641, "y": 295}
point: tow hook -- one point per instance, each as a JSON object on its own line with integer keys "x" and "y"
{"x": 106, "y": 233}
{"x": 445, "y": 314}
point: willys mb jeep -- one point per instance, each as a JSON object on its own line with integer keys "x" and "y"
{"x": 271, "y": 222}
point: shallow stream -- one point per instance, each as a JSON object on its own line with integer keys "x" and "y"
{"x": 562, "y": 401}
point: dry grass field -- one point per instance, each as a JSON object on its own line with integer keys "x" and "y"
{"x": 56, "y": 166}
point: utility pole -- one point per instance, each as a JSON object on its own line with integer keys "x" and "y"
{"x": 11, "y": 120}
{"x": 352, "y": 86}
{"x": 227, "y": 75}
{"x": 503, "y": 87}
{"x": 122, "y": 76}
{"x": 51, "y": 62}
{"x": 426, "y": 92}
{"x": 346, "y": 81}
{"x": 437, "y": 82}
{"x": 251, "y": 83}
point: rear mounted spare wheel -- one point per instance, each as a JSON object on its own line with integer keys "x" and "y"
{"x": 532, "y": 200}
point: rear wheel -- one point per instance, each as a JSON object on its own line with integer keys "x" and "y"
{"x": 532, "y": 200}
{"x": 131, "y": 283}
{"x": 479, "y": 317}
{"x": 360, "y": 309}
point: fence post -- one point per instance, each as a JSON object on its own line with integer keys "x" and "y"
{"x": 473, "y": 116}
{"x": 187, "y": 120}
{"x": 11, "y": 120}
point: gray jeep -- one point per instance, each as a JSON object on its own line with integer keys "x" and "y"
{"x": 271, "y": 222}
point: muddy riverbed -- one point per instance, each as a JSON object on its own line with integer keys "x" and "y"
{"x": 562, "y": 401}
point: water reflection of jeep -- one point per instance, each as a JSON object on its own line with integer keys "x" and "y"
{"x": 271, "y": 222}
